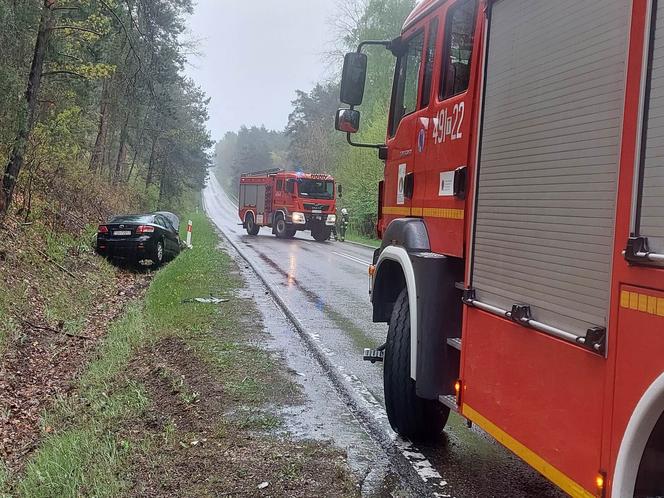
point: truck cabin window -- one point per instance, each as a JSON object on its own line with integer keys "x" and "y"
{"x": 315, "y": 189}
{"x": 429, "y": 62}
{"x": 407, "y": 80}
{"x": 280, "y": 185}
{"x": 458, "y": 51}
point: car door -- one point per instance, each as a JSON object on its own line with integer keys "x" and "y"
{"x": 402, "y": 125}
{"x": 167, "y": 233}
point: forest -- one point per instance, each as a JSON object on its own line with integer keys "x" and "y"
{"x": 95, "y": 114}
{"x": 309, "y": 141}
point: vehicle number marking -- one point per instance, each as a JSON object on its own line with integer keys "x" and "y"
{"x": 121, "y": 233}
{"x": 448, "y": 124}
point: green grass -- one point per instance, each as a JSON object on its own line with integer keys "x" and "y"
{"x": 362, "y": 239}
{"x": 83, "y": 451}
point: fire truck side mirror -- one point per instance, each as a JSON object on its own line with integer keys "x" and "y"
{"x": 347, "y": 120}
{"x": 353, "y": 78}
{"x": 339, "y": 190}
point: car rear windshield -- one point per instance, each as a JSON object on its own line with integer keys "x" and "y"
{"x": 133, "y": 218}
{"x": 316, "y": 189}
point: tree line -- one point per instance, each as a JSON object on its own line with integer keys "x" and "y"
{"x": 309, "y": 141}
{"x": 94, "y": 108}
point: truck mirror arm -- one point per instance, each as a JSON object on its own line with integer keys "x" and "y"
{"x": 382, "y": 148}
{"x": 391, "y": 45}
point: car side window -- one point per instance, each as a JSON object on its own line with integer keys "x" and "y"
{"x": 159, "y": 220}
{"x": 406, "y": 80}
{"x": 458, "y": 49}
{"x": 429, "y": 62}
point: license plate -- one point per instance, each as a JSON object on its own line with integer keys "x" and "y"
{"x": 316, "y": 211}
{"x": 121, "y": 233}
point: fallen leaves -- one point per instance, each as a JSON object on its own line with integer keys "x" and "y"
{"x": 42, "y": 365}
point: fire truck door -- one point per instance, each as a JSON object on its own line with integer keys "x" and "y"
{"x": 399, "y": 178}
{"x": 260, "y": 204}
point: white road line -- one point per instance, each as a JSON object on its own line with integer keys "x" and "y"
{"x": 352, "y": 258}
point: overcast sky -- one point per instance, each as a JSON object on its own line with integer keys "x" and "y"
{"x": 254, "y": 54}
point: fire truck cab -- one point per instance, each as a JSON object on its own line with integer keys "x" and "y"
{"x": 522, "y": 216}
{"x": 287, "y": 202}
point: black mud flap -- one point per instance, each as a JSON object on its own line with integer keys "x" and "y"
{"x": 439, "y": 311}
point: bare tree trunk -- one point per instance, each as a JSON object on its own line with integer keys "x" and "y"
{"x": 122, "y": 153}
{"x": 162, "y": 184}
{"x": 26, "y": 122}
{"x": 137, "y": 147}
{"x": 153, "y": 152}
{"x": 100, "y": 143}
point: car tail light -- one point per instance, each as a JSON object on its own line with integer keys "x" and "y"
{"x": 144, "y": 229}
{"x": 102, "y": 229}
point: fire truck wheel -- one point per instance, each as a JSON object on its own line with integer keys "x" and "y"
{"x": 280, "y": 228}
{"x": 290, "y": 233}
{"x": 321, "y": 234}
{"x": 413, "y": 417}
{"x": 252, "y": 228}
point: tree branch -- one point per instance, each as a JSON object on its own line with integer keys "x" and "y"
{"x": 78, "y": 28}
{"x": 70, "y": 73}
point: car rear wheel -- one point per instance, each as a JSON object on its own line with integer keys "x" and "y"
{"x": 280, "y": 228}
{"x": 413, "y": 417}
{"x": 252, "y": 227}
{"x": 158, "y": 254}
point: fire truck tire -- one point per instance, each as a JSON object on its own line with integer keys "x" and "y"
{"x": 413, "y": 417}
{"x": 290, "y": 233}
{"x": 252, "y": 228}
{"x": 321, "y": 234}
{"x": 280, "y": 227}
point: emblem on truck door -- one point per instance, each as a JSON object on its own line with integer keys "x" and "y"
{"x": 421, "y": 140}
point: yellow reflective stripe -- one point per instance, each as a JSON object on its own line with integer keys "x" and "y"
{"x": 530, "y": 457}
{"x": 448, "y": 213}
{"x": 453, "y": 214}
{"x": 399, "y": 211}
{"x": 645, "y": 303}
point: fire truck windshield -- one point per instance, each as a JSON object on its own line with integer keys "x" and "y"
{"x": 315, "y": 189}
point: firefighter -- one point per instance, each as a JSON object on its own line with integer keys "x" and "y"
{"x": 343, "y": 222}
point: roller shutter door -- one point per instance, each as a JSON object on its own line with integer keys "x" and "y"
{"x": 549, "y": 158}
{"x": 652, "y": 195}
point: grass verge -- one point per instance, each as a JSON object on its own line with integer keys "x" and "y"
{"x": 175, "y": 401}
{"x": 362, "y": 239}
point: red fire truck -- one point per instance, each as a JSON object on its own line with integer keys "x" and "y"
{"x": 288, "y": 201}
{"x": 522, "y": 215}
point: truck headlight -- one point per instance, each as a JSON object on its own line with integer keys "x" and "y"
{"x": 299, "y": 218}
{"x": 331, "y": 219}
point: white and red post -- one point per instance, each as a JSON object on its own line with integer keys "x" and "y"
{"x": 189, "y": 224}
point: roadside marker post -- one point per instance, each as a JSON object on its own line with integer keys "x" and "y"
{"x": 189, "y": 224}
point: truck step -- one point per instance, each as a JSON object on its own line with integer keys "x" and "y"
{"x": 455, "y": 342}
{"x": 373, "y": 355}
{"x": 449, "y": 400}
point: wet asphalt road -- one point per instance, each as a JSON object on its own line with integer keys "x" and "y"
{"x": 325, "y": 285}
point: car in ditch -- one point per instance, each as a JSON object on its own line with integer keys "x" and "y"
{"x": 140, "y": 239}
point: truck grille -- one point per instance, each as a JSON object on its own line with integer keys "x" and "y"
{"x": 312, "y": 206}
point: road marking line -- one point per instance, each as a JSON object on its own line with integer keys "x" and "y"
{"x": 352, "y": 258}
